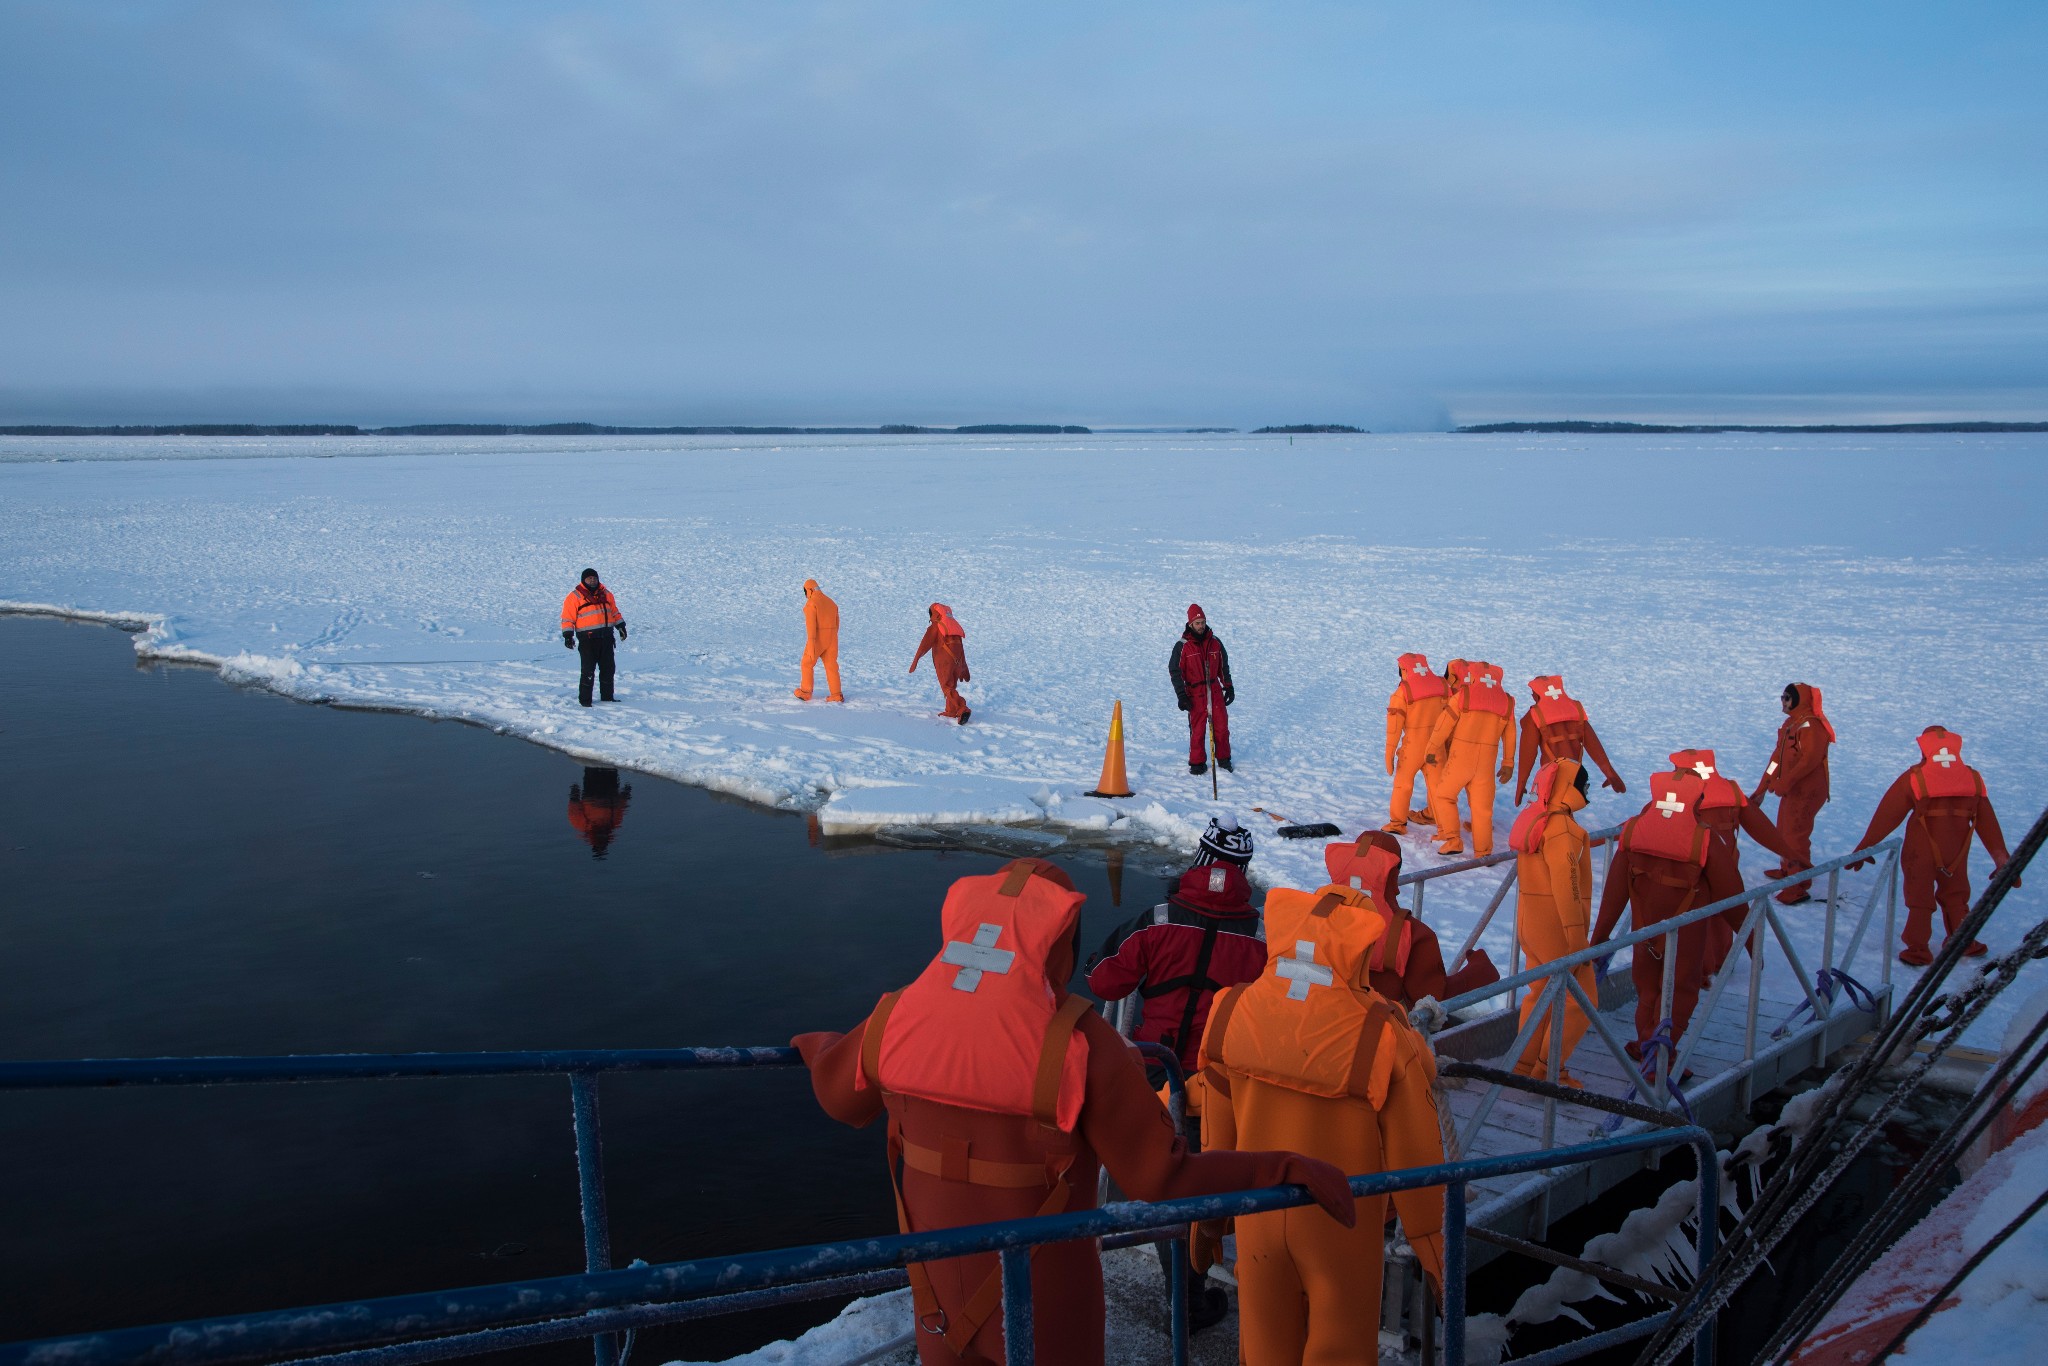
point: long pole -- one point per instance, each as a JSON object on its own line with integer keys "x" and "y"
{"x": 1214, "y": 699}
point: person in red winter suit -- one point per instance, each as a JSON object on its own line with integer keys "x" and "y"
{"x": 946, "y": 642}
{"x": 1798, "y": 773}
{"x": 1943, "y": 803}
{"x": 1200, "y": 669}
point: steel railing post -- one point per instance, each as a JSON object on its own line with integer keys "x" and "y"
{"x": 1891, "y": 911}
{"x": 1019, "y": 1347}
{"x": 1709, "y": 1237}
{"x": 597, "y": 1226}
{"x": 1670, "y": 986}
{"x": 1177, "y": 1302}
{"x": 1454, "y": 1273}
{"x": 1556, "y": 1077}
{"x": 1827, "y": 942}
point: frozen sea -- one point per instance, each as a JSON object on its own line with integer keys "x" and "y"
{"x": 1677, "y": 583}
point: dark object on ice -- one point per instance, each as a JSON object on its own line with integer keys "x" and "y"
{"x": 1320, "y": 830}
{"x": 1198, "y": 769}
{"x": 1310, "y": 429}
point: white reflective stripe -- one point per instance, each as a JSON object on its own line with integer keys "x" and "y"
{"x": 1356, "y": 884}
{"x": 1217, "y": 878}
{"x": 1160, "y": 914}
{"x": 1772, "y": 769}
{"x": 1303, "y": 971}
{"x": 978, "y": 957}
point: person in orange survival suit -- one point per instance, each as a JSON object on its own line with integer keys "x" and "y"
{"x": 1003, "y": 1093}
{"x": 946, "y": 641}
{"x": 1798, "y": 773}
{"x": 1722, "y": 809}
{"x": 1310, "y": 1056}
{"x": 1411, "y": 715}
{"x": 821, "y": 643}
{"x": 1943, "y": 801}
{"x": 597, "y": 807}
{"x": 1407, "y": 963}
{"x": 1555, "y": 727}
{"x": 1553, "y": 904}
{"x": 1662, "y": 869}
{"x": 1479, "y": 720}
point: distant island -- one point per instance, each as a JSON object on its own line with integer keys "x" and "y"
{"x": 1309, "y": 429}
{"x": 1655, "y": 428}
{"x": 543, "y": 429}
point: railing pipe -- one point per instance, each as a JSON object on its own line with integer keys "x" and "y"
{"x": 21, "y": 1076}
{"x": 1020, "y": 1347}
{"x": 1669, "y": 985}
{"x": 1454, "y": 1274}
{"x": 597, "y": 1225}
{"x": 1500, "y": 894}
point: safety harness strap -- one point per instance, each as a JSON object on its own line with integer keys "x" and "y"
{"x": 1052, "y": 1060}
{"x": 871, "y": 1040}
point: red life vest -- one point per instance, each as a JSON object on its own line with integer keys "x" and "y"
{"x": 980, "y": 1026}
{"x": 943, "y": 619}
{"x": 1553, "y": 706}
{"x": 1421, "y": 680}
{"x": 1941, "y": 771}
{"x": 1367, "y": 867}
{"x": 1668, "y": 826}
{"x": 1526, "y": 836}
{"x": 1716, "y": 792}
{"x": 1483, "y": 691}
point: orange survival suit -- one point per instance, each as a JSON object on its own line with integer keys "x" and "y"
{"x": 1311, "y": 1057}
{"x": 821, "y": 643}
{"x": 1407, "y": 963}
{"x": 1479, "y": 720}
{"x": 1553, "y": 904}
{"x": 1003, "y": 1093}
{"x": 1661, "y": 870}
{"x": 1412, "y": 711}
{"x": 946, "y": 641}
{"x": 1723, "y": 810}
{"x": 1555, "y": 727}
{"x": 1798, "y": 773}
{"x": 1943, "y": 802}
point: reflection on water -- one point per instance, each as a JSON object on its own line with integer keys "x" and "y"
{"x": 597, "y": 806}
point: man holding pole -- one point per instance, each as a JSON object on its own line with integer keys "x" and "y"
{"x": 1200, "y": 669}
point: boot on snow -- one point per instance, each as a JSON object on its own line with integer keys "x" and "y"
{"x": 1198, "y": 769}
{"x": 965, "y": 714}
{"x": 1208, "y": 1305}
{"x": 1225, "y": 765}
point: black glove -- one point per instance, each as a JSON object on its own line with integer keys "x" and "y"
{"x": 622, "y": 630}
{"x": 1229, "y": 697}
{"x": 1183, "y": 704}
{"x": 568, "y": 640}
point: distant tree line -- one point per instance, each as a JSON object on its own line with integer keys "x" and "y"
{"x": 1309, "y": 429}
{"x": 1655, "y": 428}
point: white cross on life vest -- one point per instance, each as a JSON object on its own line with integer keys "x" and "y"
{"x": 1419, "y": 670}
{"x": 1703, "y": 768}
{"x": 1943, "y": 757}
{"x": 1487, "y": 681}
{"x": 1670, "y": 805}
{"x": 1553, "y": 692}
{"x": 976, "y": 958}
{"x": 1303, "y": 971}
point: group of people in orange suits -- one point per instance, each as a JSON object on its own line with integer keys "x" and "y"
{"x": 945, "y": 640}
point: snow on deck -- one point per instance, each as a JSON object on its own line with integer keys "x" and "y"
{"x": 1676, "y": 582}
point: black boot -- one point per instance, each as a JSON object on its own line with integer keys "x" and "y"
{"x": 1198, "y": 769}
{"x": 1225, "y": 765}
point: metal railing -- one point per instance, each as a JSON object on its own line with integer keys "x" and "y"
{"x": 602, "y": 1303}
{"x": 1558, "y": 987}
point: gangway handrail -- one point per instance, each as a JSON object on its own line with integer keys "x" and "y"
{"x": 575, "y": 1305}
{"x": 286, "y": 1067}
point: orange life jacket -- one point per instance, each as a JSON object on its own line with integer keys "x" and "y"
{"x": 1716, "y": 791}
{"x": 1526, "y": 836}
{"x": 1941, "y": 771}
{"x": 1483, "y": 691}
{"x": 1366, "y": 867}
{"x": 943, "y": 619}
{"x": 1311, "y": 1022}
{"x": 1553, "y": 706}
{"x": 1420, "y": 680}
{"x": 1668, "y": 826}
{"x": 983, "y": 1027}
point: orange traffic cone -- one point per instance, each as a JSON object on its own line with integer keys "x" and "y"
{"x": 1113, "y": 783}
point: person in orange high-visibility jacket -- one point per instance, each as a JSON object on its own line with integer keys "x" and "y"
{"x": 1553, "y": 904}
{"x": 1412, "y": 711}
{"x": 1005, "y": 1095}
{"x": 1310, "y": 1057}
{"x": 821, "y": 643}
{"x": 1408, "y": 963}
{"x": 1798, "y": 773}
{"x": 945, "y": 640}
{"x": 589, "y": 616}
{"x": 1555, "y": 727}
{"x": 1475, "y": 724}
{"x": 1723, "y": 810}
{"x": 1943, "y": 802}
{"x": 1662, "y": 868}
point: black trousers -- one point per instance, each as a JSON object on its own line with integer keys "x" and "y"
{"x": 594, "y": 648}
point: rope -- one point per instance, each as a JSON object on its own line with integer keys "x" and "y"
{"x": 1824, "y": 986}
{"x": 1647, "y": 1069}
{"x": 1809, "y": 1172}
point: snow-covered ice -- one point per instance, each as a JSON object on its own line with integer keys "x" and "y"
{"x": 1676, "y": 582}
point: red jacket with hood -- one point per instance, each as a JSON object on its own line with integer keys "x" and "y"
{"x": 1178, "y": 955}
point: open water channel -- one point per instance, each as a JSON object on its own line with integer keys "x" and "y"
{"x": 193, "y": 868}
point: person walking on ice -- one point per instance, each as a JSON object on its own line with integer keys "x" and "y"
{"x": 1476, "y": 724}
{"x": 589, "y": 616}
{"x": 821, "y": 643}
{"x": 945, "y": 640}
{"x": 1200, "y": 669}
{"x": 1418, "y": 699}
{"x": 1798, "y": 773}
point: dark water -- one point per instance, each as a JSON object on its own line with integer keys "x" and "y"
{"x": 192, "y": 868}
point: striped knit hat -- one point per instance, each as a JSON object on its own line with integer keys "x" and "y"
{"x": 1224, "y": 841}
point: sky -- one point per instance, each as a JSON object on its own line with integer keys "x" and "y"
{"x": 1399, "y": 216}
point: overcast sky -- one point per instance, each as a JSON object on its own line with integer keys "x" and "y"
{"x": 1392, "y": 215}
